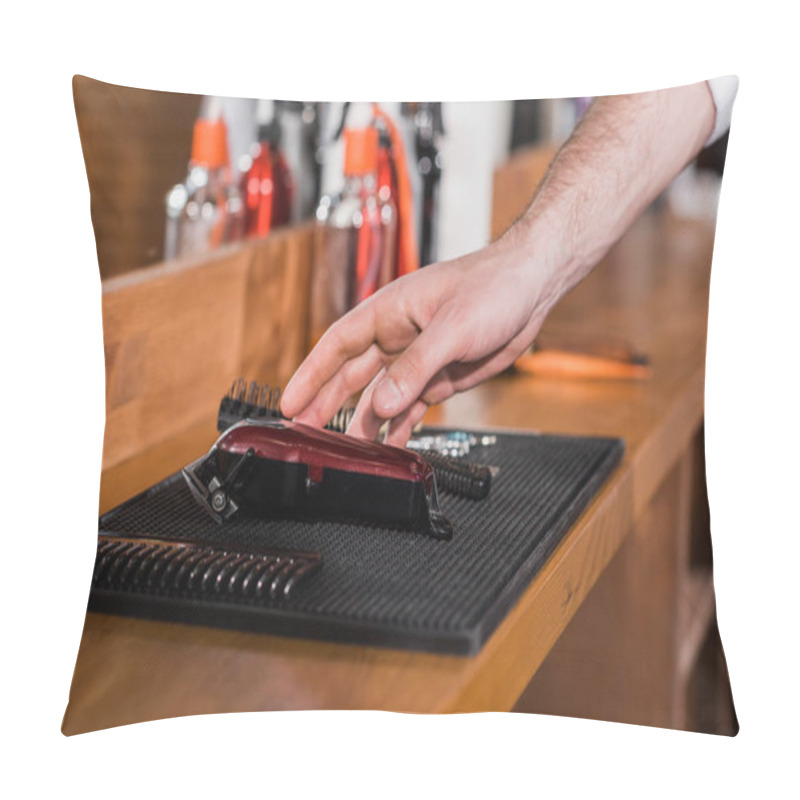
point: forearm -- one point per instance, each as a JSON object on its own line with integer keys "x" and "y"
{"x": 454, "y": 324}
{"x": 623, "y": 153}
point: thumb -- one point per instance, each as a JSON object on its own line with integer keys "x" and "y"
{"x": 407, "y": 377}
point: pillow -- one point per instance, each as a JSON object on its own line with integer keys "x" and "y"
{"x": 530, "y": 532}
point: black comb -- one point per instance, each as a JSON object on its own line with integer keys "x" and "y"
{"x": 164, "y": 568}
{"x": 255, "y": 400}
{"x": 342, "y": 419}
{"x": 248, "y": 401}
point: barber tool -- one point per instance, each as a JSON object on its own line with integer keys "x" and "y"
{"x": 255, "y": 401}
{"x": 248, "y": 401}
{"x": 191, "y": 570}
{"x": 461, "y": 479}
{"x": 161, "y": 557}
{"x": 277, "y": 467}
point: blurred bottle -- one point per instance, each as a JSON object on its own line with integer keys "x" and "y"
{"x": 268, "y": 186}
{"x": 387, "y": 200}
{"x": 350, "y": 238}
{"x": 300, "y": 145}
{"x": 395, "y": 190}
{"x": 428, "y": 131}
{"x": 206, "y": 210}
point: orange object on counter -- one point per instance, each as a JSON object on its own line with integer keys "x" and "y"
{"x": 588, "y": 364}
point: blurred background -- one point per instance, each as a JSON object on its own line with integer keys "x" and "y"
{"x": 155, "y": 158}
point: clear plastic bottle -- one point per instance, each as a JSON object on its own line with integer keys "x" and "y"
{"x": 350, "y": 239}
{"x": 206, "y": 210}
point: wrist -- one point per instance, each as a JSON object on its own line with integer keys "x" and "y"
{"x": 545, "y": 250}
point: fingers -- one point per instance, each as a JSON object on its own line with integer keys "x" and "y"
{"x": 401, "y": 427}
{"x": 461, "y": 377}
{"x": 407, "y": 377}
{"x": 369, "y": 416}
{"x": 353, "y": 376}
{"x": 365, "y": 424}
{"x": 347, "y": 338}
{"x": 442, "y": 349}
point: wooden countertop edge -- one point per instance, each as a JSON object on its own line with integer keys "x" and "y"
{"x": 165, "y": 269}
{"x": 497, "y": 676}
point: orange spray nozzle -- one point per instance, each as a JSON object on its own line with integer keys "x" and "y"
{"x": 210, "y": 143}
{"x": 360, "y": 151}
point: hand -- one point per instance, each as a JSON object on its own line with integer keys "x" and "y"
{"x": 422, "y": 338}
{"x": 451, "y": 325}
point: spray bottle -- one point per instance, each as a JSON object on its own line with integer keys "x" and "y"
{"x": 349, "y": 237}
{"x": 206, "y": 209}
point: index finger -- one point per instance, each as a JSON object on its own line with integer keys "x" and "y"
{"x": 347, "y": 338}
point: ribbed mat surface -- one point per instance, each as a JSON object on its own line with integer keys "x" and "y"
{"x": 391, "y": 587}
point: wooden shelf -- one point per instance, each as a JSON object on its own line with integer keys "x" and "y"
{"x": 177, "y": 334}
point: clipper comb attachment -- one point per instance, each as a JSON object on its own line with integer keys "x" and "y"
{"x": 248, "y": 401}
{"x": 341, "y": 419}
{"x": 255, "y": 400}
{"x": 185, "y": 569}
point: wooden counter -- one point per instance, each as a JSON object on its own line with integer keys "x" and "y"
{"x": 612, "y": 626}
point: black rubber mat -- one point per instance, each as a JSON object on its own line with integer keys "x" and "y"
{"x": 388, "y": 587}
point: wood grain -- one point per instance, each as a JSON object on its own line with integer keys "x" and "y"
{"x": 616, "y": 659}
{"x": 177, "y": 334}
{"x": 651, "y": 291}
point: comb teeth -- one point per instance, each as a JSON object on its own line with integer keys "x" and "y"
{"x": 245, "y": 400}
{"x": 239, "y": 389}
{"x": 341, "y": 420}
{"x": 158, "y": 566}
{"x": 256, "y": 400}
